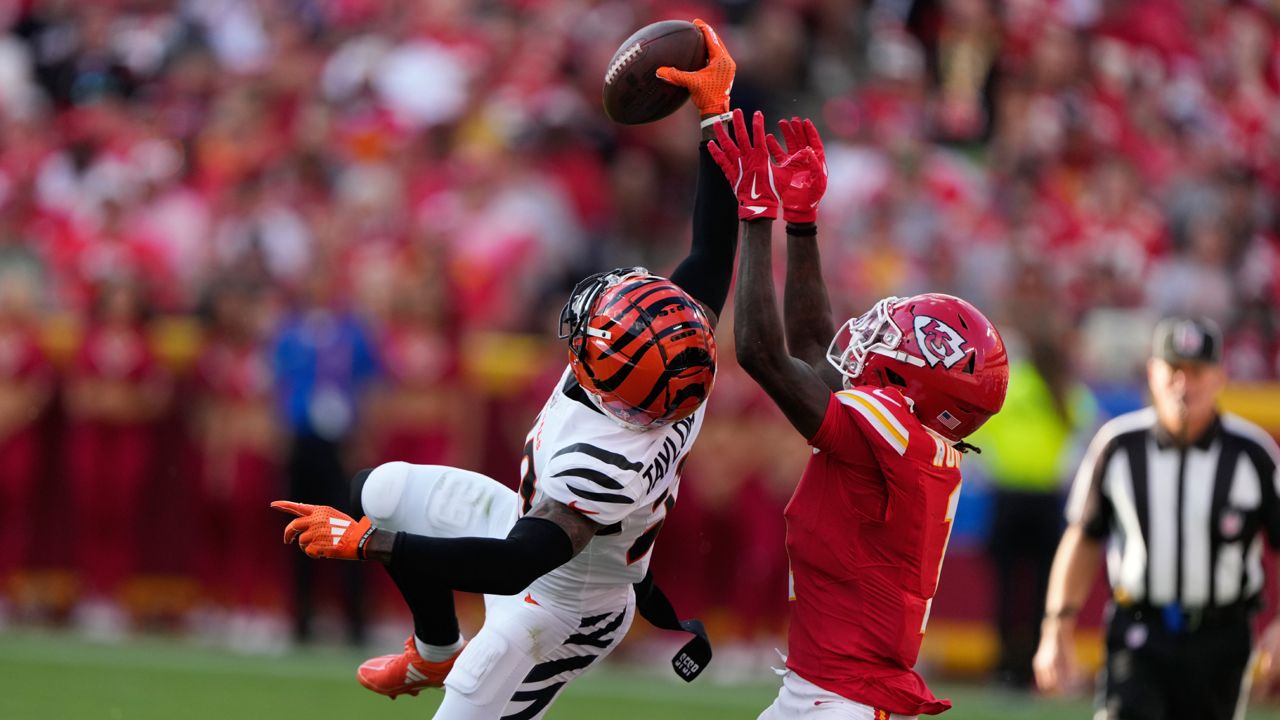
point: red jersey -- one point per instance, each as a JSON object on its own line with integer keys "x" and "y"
{"x": 866, "y": 531}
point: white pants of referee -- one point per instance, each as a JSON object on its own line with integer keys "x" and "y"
{"x": 528, "y": 649}
{"x": 801, "y": 698}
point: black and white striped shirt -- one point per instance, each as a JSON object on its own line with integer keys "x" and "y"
{"x": 1183, "y": 525}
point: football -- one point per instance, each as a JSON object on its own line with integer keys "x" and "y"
{"x": 633, "y": 93}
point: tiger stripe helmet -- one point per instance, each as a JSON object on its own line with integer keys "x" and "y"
{"x": 640, "y": 346}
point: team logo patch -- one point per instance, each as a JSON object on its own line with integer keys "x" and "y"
{"x": 938, "y": 341}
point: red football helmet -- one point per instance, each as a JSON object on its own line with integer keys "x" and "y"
{"x": 640, "y": 346}
{"x": 941, "y": 351}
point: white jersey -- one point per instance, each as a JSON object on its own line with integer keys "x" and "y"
{"x": 625, "y": 480}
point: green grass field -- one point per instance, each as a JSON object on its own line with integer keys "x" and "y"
{"x": 55, "y": 676}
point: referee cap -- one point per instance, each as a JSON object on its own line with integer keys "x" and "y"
{"x": 1187, "y": 339}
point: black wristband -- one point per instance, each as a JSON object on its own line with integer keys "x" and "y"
{"x": 802, "y": 229}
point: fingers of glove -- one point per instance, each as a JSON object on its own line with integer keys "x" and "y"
{"x": 757, "y": 130}
{"x": 813, "y": 139}
{"x": 715, "y": 48}
{"x": 676, "y": 77}
{"x": 726, "y": 165}
{"x": 793, "y": 139}
{"x": 742, "y": 139}
{"x": 314, "y": 535}
{"x": 728, "y": 146}
{"x": 295, "y": 528}
{"x": 292, "y": 507}
{"x": 803, "y": 160}
{"x": 775, "y": 150}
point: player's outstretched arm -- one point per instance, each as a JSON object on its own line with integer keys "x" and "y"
{"x": 548, "y": 537}
{"x": 758, "y": 335}
{"x": 707, "y": 271}
{"x": 806, "y": 310}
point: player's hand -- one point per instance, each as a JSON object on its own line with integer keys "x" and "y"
{"x": 1266, "y": 682}
{"x": 800, "y": 196}
{"x": 747, "y": 166}
{"x": 323, "y": 532}
{"x": 710, "y": 86}
{"x": 1055, "y": 663}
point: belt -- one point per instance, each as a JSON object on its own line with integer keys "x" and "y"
{"x": 1178, "y": 619}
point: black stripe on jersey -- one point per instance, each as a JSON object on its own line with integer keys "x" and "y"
{"x": 594, "y": 476}
{"x": 539, "y": 699}
{"x": 552, "y": 668}
{"x": 1180, "y": 533}
{"x": 1135, "y": 447}
{"x": 666, "y": 492}
{"x": 593, "y": 619}
{"x": 599, "y": 453}
{"x": 613, "y": 529}
{"x": 613, "y": 498}
{"x": 599, "y": 638}
{"x": 1222, "y": 479}
{"x": 644, "y": 543}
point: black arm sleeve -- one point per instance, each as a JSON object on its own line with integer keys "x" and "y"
{"x": 533, "y": 548}
{"x": 706, "y": 273}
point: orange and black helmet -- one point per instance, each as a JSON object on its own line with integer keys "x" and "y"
{"x": 640, "y": 346}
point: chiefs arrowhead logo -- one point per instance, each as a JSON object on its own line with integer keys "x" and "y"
{"x": 939, "y": 342}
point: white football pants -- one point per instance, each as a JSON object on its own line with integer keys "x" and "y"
{"x": 527, "y": 651}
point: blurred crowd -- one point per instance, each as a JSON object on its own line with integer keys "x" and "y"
{"x": 244, "y": 243}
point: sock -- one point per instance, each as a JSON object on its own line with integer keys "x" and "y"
{"x": 438, "y": 653}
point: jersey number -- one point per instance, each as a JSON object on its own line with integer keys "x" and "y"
{"x": 528, "y": 477}
{"x": 952, "y": 503}
{"x": 644, "y": 543}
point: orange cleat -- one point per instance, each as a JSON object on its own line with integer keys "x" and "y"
{"x": 406, "y": 673}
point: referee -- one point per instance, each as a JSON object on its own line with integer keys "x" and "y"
{"x": 1179, "y": 495}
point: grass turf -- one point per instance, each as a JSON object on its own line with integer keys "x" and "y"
{"x": 56, "y": 676}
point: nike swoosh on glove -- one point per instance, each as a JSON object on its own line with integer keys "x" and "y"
{"x": 747, "y": 166}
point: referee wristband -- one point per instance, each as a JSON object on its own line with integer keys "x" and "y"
{"x": 722, "y": 117}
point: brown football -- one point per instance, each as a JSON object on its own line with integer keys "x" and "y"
{"x": 633, "y": 93}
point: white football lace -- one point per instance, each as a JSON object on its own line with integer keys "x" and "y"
{"x": 621, "y": 62}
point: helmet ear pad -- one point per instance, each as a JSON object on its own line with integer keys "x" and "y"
{"x": 940, "y": 351}
{"x": 646, "y": 353}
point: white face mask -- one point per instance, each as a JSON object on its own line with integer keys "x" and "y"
{"x": 872, "y": 332}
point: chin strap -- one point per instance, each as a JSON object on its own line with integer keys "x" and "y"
{"x": 654, "y": 607}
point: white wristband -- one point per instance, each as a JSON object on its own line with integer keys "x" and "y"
{"x": 722, "y": 117}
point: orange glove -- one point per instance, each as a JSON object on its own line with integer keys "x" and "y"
{"x": 324, "y": 532}
{"x": 709, "y": 86}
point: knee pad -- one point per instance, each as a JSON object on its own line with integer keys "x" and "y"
{"x": 381, "y": 491}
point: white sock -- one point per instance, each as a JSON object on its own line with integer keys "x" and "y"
{"x": 438, "y": 653}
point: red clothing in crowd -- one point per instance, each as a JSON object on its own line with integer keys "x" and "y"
{"x": 111, "y": 443}
{"x": 25, "y": 375}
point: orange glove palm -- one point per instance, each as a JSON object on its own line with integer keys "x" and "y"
{"x": 710, "y": 86}
{"x": 323, "y": 532}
